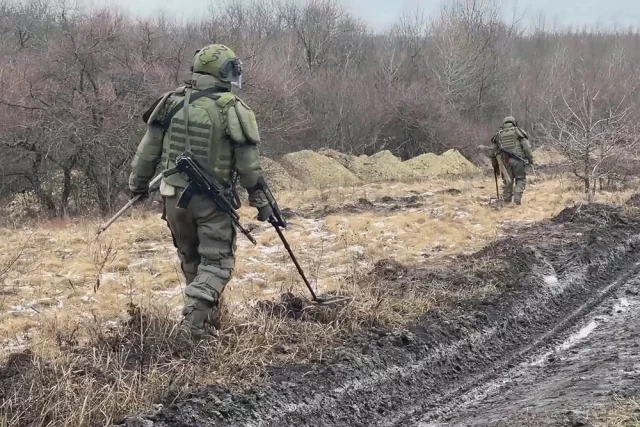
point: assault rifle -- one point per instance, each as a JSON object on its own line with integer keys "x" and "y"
{"x": 525, "y": 161}
{"x": 515, "y": 156}
{"x": 200, "y": 182}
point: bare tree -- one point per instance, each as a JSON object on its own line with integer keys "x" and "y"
{"x": 598, "y": 140}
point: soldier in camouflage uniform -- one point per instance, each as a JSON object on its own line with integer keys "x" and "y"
{"x": 205, "y": 118}
{"x": 510, "y": 154}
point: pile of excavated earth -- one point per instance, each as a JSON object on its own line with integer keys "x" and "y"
{"x": 330, "y": 168}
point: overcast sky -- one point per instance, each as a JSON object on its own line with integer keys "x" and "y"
{"x": 380, "y": 13}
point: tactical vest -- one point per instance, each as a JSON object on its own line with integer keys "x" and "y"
{"x": 509, "y": 140}
{"x": 208, "y": 139}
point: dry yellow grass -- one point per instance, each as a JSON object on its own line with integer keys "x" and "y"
{"x": 623, "y": 413}
{"x": 57, "y": 270}
{"x": 47, "y": 294}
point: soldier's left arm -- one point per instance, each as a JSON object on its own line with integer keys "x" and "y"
{"x": 149, "y": 151}
{"x": 243, "y": 130}
{"x": 526, "y": 146}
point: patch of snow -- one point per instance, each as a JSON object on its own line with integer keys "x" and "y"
{"x": 108, "y": 277}
{"x": 580, "y": 335}
{"x": 20, "y": 308}
{"x": 270, "y": 249}
{"x": 88, "y": 298}
{"x": 138, "y": 264}
{"x": 357, "y": 249}
{"x": 541, "y": 359}
{"x": 14, "y": 345}
{"x": 175, "y": 291}
{"x": 252, "y": 277}
{"x": 461, "y": 214}
{"x": 551, "y": 280}
{"x": 621, "y": 305}
{"x": 321, "y": 235}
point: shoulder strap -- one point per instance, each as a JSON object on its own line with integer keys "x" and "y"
{"x": 185, "y": 111}
{"x": 522, "y": 133}
{"x": 206, "y": 92}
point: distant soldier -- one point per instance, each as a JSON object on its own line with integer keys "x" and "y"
{"x": 510, "y": 155}
{"x": 205, "y": 118}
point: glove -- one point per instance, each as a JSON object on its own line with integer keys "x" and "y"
{"x": 264, "y": 213}
{"x": 143, "y": 195}
{"x": 259, "y": 200}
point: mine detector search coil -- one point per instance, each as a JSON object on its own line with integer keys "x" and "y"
{"x": 200, "y": 182}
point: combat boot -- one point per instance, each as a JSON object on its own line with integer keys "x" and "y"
{"x": 201, "y": 318}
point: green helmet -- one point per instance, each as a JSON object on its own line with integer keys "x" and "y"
{"x": 511, "y": 120}
{"x": 219, "y": 61}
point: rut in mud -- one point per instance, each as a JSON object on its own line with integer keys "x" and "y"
{"x": 569, "y": 383}
{"x": 379, "y": 377}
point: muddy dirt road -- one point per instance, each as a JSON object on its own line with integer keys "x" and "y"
{"x": 564, "y": 383}
{"x": 504, "y": 359}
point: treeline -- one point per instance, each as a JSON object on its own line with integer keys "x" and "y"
{"x": 73, "y": 84}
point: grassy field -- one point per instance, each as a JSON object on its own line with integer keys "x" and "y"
{"x": 102, "y": 317}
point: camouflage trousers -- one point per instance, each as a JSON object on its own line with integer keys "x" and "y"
{"x": 513, "y": 192}
{"x": 205, "y": 239}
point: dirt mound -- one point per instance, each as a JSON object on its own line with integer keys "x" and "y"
{"x": 381, "y": 167}
{"x": 290, "y": 305}
{"x": 426, "y": 164}
{"x": 316, "y": 170}
{"x": 277, "y": 176}
{"x": 593, "y": 214}
{"x": 345, "y": 160}
{"x": 450, "y": 162}
{"x": 389, "y": 269}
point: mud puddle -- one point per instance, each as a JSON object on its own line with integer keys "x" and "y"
{"x": 544, "y": 281}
